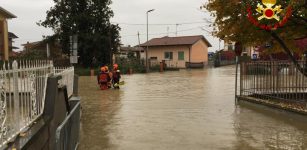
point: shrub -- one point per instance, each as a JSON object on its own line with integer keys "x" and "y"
{"x": 133, "y": 63}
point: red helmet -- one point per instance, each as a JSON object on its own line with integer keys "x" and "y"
{"x": 103, "y": 69}
{"x": 115, "y": 66}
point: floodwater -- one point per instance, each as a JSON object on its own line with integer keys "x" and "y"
{"x": 185, "y": 110}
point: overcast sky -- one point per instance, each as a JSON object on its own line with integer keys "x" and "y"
{"x": 130, "y": 14}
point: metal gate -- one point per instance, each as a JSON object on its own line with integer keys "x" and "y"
{"x": 67, "y": 134}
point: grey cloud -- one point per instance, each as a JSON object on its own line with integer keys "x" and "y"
{"x": 128, "y": 11}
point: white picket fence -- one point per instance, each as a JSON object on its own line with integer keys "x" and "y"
{"x": 22, "y": 94}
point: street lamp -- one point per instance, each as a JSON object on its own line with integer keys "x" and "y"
{"x": 147, "y": 66}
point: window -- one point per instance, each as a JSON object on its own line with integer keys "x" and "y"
{"x": 180, "y": 55}
{"x": 168, "y": 55}
{"x": 154, "y": 58}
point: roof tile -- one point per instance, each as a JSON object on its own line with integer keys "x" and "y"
{"x": 171, "y": 41}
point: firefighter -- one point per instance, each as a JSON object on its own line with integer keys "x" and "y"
{"x": 116, "y": 76}
{"x": 103, "y": 79}
{"x": 110, "y": 77}
{"x": 100, "y": 71}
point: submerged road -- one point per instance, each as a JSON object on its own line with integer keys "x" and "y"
{"x": 185, "y": 110}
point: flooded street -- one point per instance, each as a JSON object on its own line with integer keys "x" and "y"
{"x": 189, "y": 109}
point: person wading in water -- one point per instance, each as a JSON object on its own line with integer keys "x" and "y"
{"x": 103, "y": 79}
{"x": 116, "y": 76}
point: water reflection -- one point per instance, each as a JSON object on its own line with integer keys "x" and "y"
{"x": 189, "y": 109}
{"x": 258, "y": 127}
{"x": 98, "y": 111}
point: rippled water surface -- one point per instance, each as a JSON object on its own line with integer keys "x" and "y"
{"x": 189, "y": 109}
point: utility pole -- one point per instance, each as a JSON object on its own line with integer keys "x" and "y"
{"x": 139, "y": 39}
{"x": 139, "y": 47}
{"x": 147, "y": 65}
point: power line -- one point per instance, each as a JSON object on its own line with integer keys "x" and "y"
{"x": 162, "y": 24}
{"x": 189, "y": 29}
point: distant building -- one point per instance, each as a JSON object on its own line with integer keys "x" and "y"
{"x": 257, "y": 52}
{"x": 137, "y": 52}
{"x": 34, "y": 46}
{"x": 4, "y": 35}
{"x": 299, "y": 51}
{"x": 229, "y": 46}
{"x": 178, "y": 52}
{"x": 12, "y": 36}
{"x": 40, "y": 48}
{"x": 251, "y": 51}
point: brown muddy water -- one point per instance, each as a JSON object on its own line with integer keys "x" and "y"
{"x": 185, "y": 110}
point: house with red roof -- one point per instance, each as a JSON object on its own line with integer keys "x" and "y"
{"x": 178, "y": 52}
{"x": 4, "y": 34}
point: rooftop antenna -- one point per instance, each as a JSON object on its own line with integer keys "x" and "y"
{"x": 177, "y": 29}
{"x": 167, "y": 31}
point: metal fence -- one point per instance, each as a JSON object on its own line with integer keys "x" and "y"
{"x": 22, "y": 94}
{"x": 174, "y": 64}
{"x": 273, "y": 80}
{"x": 67, "y": 78}
{"x": 67, "y": 134}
